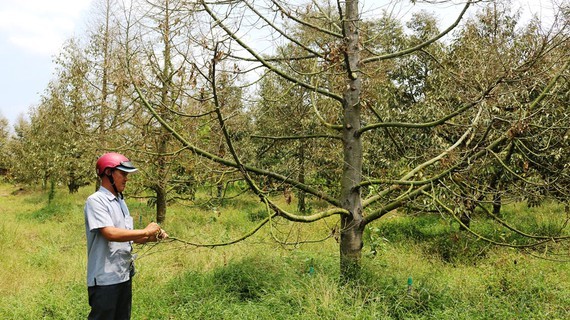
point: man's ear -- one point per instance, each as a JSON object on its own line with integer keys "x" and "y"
{"x": 108, "y": 171}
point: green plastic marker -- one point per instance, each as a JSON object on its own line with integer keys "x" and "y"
{"x": 409, "y": 285}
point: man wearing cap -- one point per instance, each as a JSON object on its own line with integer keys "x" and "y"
{"x": 110, "y": 234}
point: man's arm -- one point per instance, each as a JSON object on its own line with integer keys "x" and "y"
{"x": 137, "y": 235}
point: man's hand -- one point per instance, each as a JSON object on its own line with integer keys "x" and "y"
{"x": 161, "y": 235}
{"x": 155, "y": 233}
{"x": 152, "y": 229}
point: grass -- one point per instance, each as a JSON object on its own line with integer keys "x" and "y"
{"x": 454, "y": 276}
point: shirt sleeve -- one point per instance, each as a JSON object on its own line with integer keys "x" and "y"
{"x": 97, "y": 214}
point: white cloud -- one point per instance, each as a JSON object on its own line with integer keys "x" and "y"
{"x": 39, "y": 26}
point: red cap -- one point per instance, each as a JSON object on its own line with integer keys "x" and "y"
{"x": 114, "y": 160}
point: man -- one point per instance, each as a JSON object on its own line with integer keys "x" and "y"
{"x": 110, "y": 234}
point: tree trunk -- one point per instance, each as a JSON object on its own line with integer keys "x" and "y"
{"x": 220, "y": 183}
{"x": 164, "y": 135}
{"x": 162, "y": 174}
{"x": 160, "y": 204}
{"x": 465, "y": 218}
{"x": 101, "y": 131}
{"x": 351, "y": 224}
{"x": 497, "y": 203}
{"x": 73, "y": 185}
{"x": 301, "y": 204}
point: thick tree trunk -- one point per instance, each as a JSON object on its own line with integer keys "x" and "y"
{"x": 351, "y": 224}
{"x": 350, "y": 248}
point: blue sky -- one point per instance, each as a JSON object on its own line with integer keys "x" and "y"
{"x": 32, "y": 33}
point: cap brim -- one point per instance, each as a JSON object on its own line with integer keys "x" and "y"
{"x": 126, "y": 169}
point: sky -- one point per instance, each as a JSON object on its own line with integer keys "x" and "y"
{"x": 32, "y": 33}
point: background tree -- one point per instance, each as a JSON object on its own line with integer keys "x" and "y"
{"x": 290, "y": 139}
{"x": 111, "y": 105}
{"x": 518, "y": 49}
{"x": 71, "y": 100}
{"x": 4, "y": 140}
{"x": 55, "y": 145}
{"x": 159, "y": 55}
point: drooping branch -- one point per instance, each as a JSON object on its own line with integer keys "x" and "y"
{"x": 203, "y": 153}
{"x": 252, "y": 185}
{"x": 312, "y": 136}
{"x": 404, "y": 180}
{"x": 512, "y": 172}
{"x": 221, "y": 244}
{"x": 322, "y": 120}
{"x": 517, "y": 231}
{"x": 436, "y": 122}
{"x": 210, "y": 156}
{"x": 282, "y": 32}
{"x": 288, "y": 14}
{"x": 539, "y": 240}
{"x": 264, "y": 62}
{"x": 411, "y": 193}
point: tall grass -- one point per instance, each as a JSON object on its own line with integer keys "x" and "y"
{"x": 454, "y": 276}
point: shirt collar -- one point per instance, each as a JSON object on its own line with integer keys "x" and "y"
{"x": 107, "y": 193}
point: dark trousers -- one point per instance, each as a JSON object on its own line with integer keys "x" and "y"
{"x": 111, "y": 302}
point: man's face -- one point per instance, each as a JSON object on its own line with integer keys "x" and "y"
{"x": 120, "y": 178}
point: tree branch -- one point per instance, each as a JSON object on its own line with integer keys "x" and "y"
{"x": 437, "y": 122}
{"x": 313, "y": 136}
{"x": 305, "y": 23}
{"x": 266, "y": 63}
{"x": 421, "y": 45}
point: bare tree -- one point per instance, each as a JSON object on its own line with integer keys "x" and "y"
{"x": 348, "y": 60}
